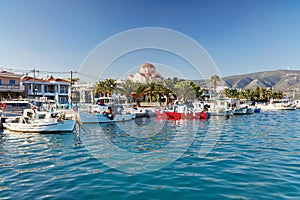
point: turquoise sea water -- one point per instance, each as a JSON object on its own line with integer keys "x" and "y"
{"x": 255, "y": 157}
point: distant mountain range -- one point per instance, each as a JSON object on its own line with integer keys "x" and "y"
{"x": 283, "y": 80}
{"x": 287, "y": 81}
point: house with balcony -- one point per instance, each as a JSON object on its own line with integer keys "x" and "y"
{"x": 50, "y": 88}
{"x": 10, "y": 85}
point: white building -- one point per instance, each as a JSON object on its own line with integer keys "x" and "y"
{"x": 146, "y": 74}
{"x": 10, "y": 85}
{"x": 52, "y": 88}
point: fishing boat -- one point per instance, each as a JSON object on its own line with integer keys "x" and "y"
{"x": 103, "y": 113}
{"x": 297, "y": 103}
{"x": 140, "y": 112}
{"x": 182, "y": 112}
{"x": 242, "y": 111}
{"x": 256, "y": 110}
{"x": 40, "y": 126}
{"x": 34, "y": 122}
{"x": 282, "y": 104}
{"x": 217, "y": 107}
{"x": 91, "y": 118}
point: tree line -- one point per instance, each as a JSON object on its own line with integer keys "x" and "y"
{"x": 174, "y": 88}
{"x": 257, "y": 94}
{"x": 159, "y": 91}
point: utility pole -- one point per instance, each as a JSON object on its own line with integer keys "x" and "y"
{"x": 34, "y": 83}
{"x": 71, "y": 83}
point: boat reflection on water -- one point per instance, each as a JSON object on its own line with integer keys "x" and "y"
{"x": 140, "y": 146}
{"x": 141, "y": 136}
{"x": 142, "y": 121}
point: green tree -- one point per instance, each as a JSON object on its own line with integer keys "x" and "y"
{"x": 232, "y": 93}
{"x": 255, "y": 94}
{"x": 140, "y": 91}
{"x": 100, "y": 88}
{"x": 110, "y": 86}
{"x": 126, "y": 88}
{"x": 105, "y": 88}
{"x": 184, "y": 90}
{"x": 214, "y": 81}
{"x": 277, "y": 95}
{"x": 151, "y": 90}
{"x": 197, "y": 90}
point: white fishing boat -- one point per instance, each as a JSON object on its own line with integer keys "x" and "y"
{"x": 297, "y": 103}
{"x": 40, "y": 126}
{"x": 92, "y": 118}
{"x": 96, "y": 113}
{"x": 40, "y": 121}
{"x": 240, "y": 107}
{"x": 243, "y": 111}
{"x": 282, "y": 104}
{"x": 140, "y": 112}
{"x": 218, "y": 107}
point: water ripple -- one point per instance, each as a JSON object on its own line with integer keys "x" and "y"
{"x": 255, "y": 157}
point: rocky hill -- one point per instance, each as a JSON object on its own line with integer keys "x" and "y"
{"x": 287, "y": 81}
{"x": 283, "y": 80}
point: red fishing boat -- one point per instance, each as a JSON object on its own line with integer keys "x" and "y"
{"x": 182, "y": 112}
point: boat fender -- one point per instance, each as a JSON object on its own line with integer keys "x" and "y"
{"x": 3, "y": 106}
{"x": 108, "y": 115}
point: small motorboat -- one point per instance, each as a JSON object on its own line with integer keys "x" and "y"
{"x": 92, "y": 118}
{"x": 297, "y": 103}
{"x": 40, "y": 125}
{"x": 243, "y": 111}
{"x": 256, "y": 110}
{"x": 182, "y": 112}
{"x": 43, "y": 122}
{"x": 103, "y": 114}
{"x": 282, "y": 104}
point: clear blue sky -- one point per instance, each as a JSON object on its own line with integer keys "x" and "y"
{"x": 241, "y": 36}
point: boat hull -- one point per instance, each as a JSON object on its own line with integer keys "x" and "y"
{"x": 176, "y": 115}
{"x": 225, "y": 113}
{"x": 89, "y": 118}
{"x": 243, "y": 111}
{"x": 40, "y": 127}
{"x": 277, "y": 107}
{"x": 256, "y": 110}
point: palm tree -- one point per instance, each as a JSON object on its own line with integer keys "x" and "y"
{"x": 139, "y": 91}
{"x": 151, "y": 90}
{"x": 197, "y": 90}
{"x": 263, "y": 94}
{"x": 256, "y": 94}
{"x": 269, "y": 94}
{"x": 110, "y": 85}
{"x": 214, "y": 81}
{"x": 232, "y": 93}
{"x": 184, "y": 90}
{"x": 105, "y": 88}
{"x": 100, "y": 88}
{"x": 126, "y": 88}
{"x": 247, "y": 93}
{"x": 168, "y": 83}
{"x": 277, "y": 95}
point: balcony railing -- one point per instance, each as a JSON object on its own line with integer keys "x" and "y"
{"x": 12, "y": 88}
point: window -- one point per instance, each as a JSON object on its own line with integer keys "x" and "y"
{"x": 12, "y": 82}
{"x": 37, "y": 88}
{"x": 63, "y": 89}
{"x": 49, "y": 89}
{"x": 63, "y": 100}
{"x": 0, "y": 81}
